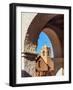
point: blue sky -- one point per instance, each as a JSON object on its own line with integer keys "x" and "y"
{"x": 43, "y": 40}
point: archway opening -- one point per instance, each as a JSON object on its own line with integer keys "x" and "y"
{"x": 44, "y": 40}
{"x": 53, "y": 33}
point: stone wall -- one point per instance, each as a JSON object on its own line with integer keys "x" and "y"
{"x": 29, "y": 67}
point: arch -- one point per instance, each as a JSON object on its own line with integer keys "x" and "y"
{"x": 37, "y": 24}
{"x": 44, "y": 40}
{"x": 47, "y": 20}
{"x": 55, "y": 42}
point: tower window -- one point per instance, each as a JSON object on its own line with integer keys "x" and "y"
{"x": 43, "y": 53}
{"x": 48, "y": 52}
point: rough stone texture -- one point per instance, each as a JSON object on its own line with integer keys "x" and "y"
{"x": 29, "y": 67}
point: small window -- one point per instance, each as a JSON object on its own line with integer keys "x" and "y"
{"x": 48, "y": 52}
{"x": 43, "y": 53}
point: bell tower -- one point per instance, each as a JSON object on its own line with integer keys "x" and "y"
{"x": 45, "y": 53}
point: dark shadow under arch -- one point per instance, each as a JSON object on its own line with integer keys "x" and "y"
{"x": 46, "y": 20}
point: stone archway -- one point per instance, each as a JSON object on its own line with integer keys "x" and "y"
{"x": 56, "y": 24}
{"x": 55, "y": 42}
{"x": 53, "y": 26}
